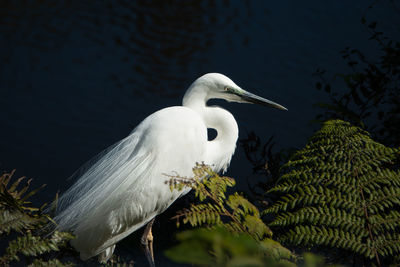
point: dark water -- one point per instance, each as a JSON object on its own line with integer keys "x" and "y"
{"x": 76, "y": 76}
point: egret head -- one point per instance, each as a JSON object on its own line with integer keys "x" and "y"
{"x": 216, "y": 85}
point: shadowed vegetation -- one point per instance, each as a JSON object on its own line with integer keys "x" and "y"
{"x": 21, "y": 224}
{"x": 341, "y": 191}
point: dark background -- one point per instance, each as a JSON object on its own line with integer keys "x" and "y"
{"x": 76, "y": 76}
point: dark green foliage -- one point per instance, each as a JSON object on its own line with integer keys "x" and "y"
{"x": 233, "y": 232}
{"x": 219, "y": 247}
{"x": 266, "y": 162}
{"x": 20, "y": 218}
{"x": 49, "y": 263}
{"x": 261, "y": 156}
{"x": 16, "y": 214}
{"x": 372, "y": 96}
{"x": 31, "y": 245}
{"x": 117, "y": 261}
{"x": 341, "y": 191}
{"x": 233, "y": 212}
{"x": 223, "y": 242}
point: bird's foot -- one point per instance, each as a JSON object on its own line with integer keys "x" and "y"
{"x": 147, "y": 242}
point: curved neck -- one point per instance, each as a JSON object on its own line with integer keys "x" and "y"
{"x": 221, "y": 149}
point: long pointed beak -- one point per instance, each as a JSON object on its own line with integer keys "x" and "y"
{"x": 252, "y": 98}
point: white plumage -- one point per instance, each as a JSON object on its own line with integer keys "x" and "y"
{"x": 124, "y": 187}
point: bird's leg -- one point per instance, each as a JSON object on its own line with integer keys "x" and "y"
{"x": 147, "y": 242}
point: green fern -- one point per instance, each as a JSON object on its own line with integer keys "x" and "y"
{"x": 342, "y": 191}
{"x": 231, "y": 232}
{"x": 18, "y": 216}
{"x": 117, "y": 261}
{"x": 31, "y": 245}
{"x": 16, "y": 213}
{"x": 234, "y": 213}
{"x": 219, "y": 247}
{"x": 49, "y": 263}
{"x": 231, "y": 229}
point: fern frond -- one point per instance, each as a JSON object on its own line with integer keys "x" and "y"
{"x": 296, "y": 200}
{"x": 16, "y": 221}
{"x": 342, "y": 191}
{"x": 234, "y": 212}
{"x": 31, "y": 245}
{"x": 256, "y": 227}
{"x": 20, "y": 218}
{"x": 385, "y": 223}
{"x": 321, "y": 235}
{"x": 200, "y": 214}
{"x": 388, "y": 244}
{"x": 49, "y": 263}
{"x": 327, "y": 216}
{"x": 241, "y": 206}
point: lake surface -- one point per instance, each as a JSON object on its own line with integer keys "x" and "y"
{"x": 76, "y": 77}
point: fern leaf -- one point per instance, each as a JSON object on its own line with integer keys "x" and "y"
{"x": 342, "y": 190}
{"x": 49, "y": 263}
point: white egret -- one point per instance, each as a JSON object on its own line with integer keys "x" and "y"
{"x": 124, "y": 188}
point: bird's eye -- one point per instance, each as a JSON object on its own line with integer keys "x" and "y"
{"x": 226, "y": 88}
